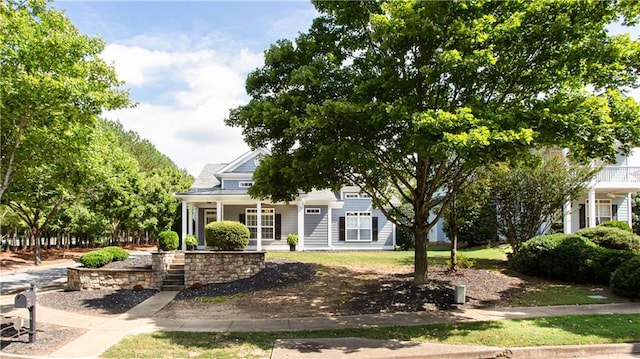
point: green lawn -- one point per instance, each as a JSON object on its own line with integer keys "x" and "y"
{"x": 565, "y": 330}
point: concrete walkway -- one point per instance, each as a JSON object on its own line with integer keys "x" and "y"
{"x": 105, "y": 332}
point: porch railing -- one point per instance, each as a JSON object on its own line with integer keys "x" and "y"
{"x": 619, "y": 174}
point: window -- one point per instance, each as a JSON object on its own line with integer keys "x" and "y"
{"x": 268, "y": 222}
{"x": 358, "y": 226}
{"x": 603, "y": 211}
{"x": 245, "y": 184}
{"x": 355, "y": 195}
{"x": 312, "y": 211}
{"x": 210, "y": 215}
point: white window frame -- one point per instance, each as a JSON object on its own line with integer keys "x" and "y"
{"x": 363, "y": 222}
{"x": 602, "y": 205}
{"x": 210, "y": 215}
{"x": 356, "y": 195}
{"x": 268, "y": 223}
{"x": 312, "y": 211}
{"x": 245, "y": 184}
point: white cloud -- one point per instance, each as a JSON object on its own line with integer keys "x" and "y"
{"x": 193, "y": 91}
{"x": 289, "y": 27}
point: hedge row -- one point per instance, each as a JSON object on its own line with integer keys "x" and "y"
{"x": 574, "y": 258}
{"x": 101, "y": 257}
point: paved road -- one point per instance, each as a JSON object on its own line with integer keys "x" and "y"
{"x": 41, "y": 276}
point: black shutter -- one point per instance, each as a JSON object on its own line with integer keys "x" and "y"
{"x": 374, "y": 229}
{"x": 614, "y": 212}
{"x": 242, "y": 218}
{"x": 278, "y": 229}
{"x": 582, "y": 216}
{"x": 341, "y": 225}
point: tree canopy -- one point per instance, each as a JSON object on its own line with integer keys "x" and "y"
{"x": 406, "y": 99}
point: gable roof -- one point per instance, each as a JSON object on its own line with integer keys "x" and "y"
{"x": 207, "y": 180}
{"x": 241, "y": 160}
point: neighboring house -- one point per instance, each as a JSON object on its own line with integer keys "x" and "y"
{"x": 609, "y": 196}
{"x": 323, "y": 220}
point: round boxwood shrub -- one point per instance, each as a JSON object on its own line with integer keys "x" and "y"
{"x": 617, "y": 224}
{"x": 626, "y": 279}
{"x": 96, "y": 259}
{"x": 168, "y": 241}
{"x": 117, "y": 253}
{"x": 191, "y": 241}
{"x": 227, "y": 235}
{"x": 534, "y": 255}
{"x": 606, "y": 262}
{"x": 612, "y": 238}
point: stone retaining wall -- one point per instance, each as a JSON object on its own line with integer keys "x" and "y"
{"x": 220, "y": 267}
{"x": 96, "y": 278}
{"x": 160, "y": 263}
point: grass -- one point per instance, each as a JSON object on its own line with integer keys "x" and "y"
{"x": 563, "y": 330}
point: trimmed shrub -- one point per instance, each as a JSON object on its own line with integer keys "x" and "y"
{"x": 168, "y": 241}
{"x": 227, "y": 235}
{"x": 626, "y": 279}
{"x": 606, "y": 262}
{"x": 612, "y": 238}
{"x": 617, "y": 224}
{"x": 534, "y": 255}
{"x": 96, "y": 259}
{"x": 191, "y": 241}
{"x": 138, "y": 287}
{"x": 117, "y": 253}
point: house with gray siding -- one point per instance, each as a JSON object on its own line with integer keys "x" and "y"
{"x": 323, "y": 219}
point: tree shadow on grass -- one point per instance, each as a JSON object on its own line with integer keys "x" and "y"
{"x": 615, "y": 328}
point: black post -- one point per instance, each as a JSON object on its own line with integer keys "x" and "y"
{"x": 32, "y": 316}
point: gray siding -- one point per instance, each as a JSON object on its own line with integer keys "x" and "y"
{"x": 315, "y": 228}
{"x": 622, "y": 214}
{"x": 289, "y": 217}
{"x": 248, "y": 166}
{"x": 385, "y": 227}
{"x": 234, "y": 184}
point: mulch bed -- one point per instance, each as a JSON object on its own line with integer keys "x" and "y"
{"x": 49, "y": 338}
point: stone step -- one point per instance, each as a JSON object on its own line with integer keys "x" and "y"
{"x": 175, "y": 275}
{"x": 173, "y": 281}
{"x": 172, "y": 287}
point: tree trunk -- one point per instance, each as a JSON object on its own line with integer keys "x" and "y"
{"x": 454, "y": 248}
{"x": 420, "y": 261}
{"x": 36, "y": 249}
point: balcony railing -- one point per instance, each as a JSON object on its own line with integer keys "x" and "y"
{"x": 619, "y": 174}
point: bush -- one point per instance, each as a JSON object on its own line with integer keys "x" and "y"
{"x": 626, "y": 279}
{"x": 138, "y": 287}
{"x": 463, "y": 261}
{"x": 405, "y": 240}
{"x": 227, "y": 235}
{"x": 117, "y": 253}
{"x": 617, "y": 224}
{"x": 567, "y": 257}
{"x": 96, "y": 259}
{"x": 168, "y": 241}
{"x": 606, "y": 262}
{"x": 292, "y": 239}
{"x": 191, "y": 241}
{"x": 612, "y": 238}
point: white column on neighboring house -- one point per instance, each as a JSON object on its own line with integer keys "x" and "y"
{"x": 329, "y": 229}
{"x": 218, "y": 211}
{"x": 300, "y": 245}
{"x": 259, "y": 224}
{"x": 393, "y": 234}
{"x": 592, "y": 208}
{"x": 184, "y": 224}
{"x": 630, "y": 209}
{"x": 566, "y": 211}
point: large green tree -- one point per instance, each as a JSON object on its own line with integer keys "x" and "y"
{"x": 406, "y": 99}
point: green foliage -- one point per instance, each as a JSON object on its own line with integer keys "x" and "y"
{"x": 617, "y": 224}
{"x": 557, "y": 256}
{"x": 168, "y": 241}
{"x": 636, "y": 213}
{"x": 463, "y": 261}
{"x": 606, "y": 262}
{"x": 227, "y": 235}
{"x": 626, "y": 279}
{"x": 191, "y": 241}
{"x": 531, "y": 194}
{"x": 117, "y": 253}
{"x": 96, "y": 259}
{"x": 404, "y": 99}
{"x": 611, "y": 237}
{"x": 292, "y": 239}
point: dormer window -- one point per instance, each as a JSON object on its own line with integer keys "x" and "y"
{"x": 245, "y": 184}
{"x": 355, "y": 195}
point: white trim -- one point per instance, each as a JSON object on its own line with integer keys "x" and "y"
{"x": 259, "y": 223}
{"x": 591, "y": 208}
{"x": 300, "y": 245}
{"x": 567, "y": 217}
{"x": 245, "y": 184}
{"x": 329, "y": 227}
{"x": 219, "y": 211}
{"x": 242, "y": 159}
{"x": 313, "y": 210}
{"x": 184, "y": 225}
{"x": 362, "y": 217}
{"x": 629, "y": 210}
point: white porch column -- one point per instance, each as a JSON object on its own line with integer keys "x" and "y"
{"x": 190, "y": 221}
{"x": 196, "y": 220}
{"x": 259, "y": 234}
{"x": 329, "y": 221}
{"x": 184, "y": 225}
{"x": 630, "y": 209}
{"x": 300, "y": 245}
{"x": 592, "y": 208}
{"x": 566, "y": 211}
{"x": 218, "y": 211}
